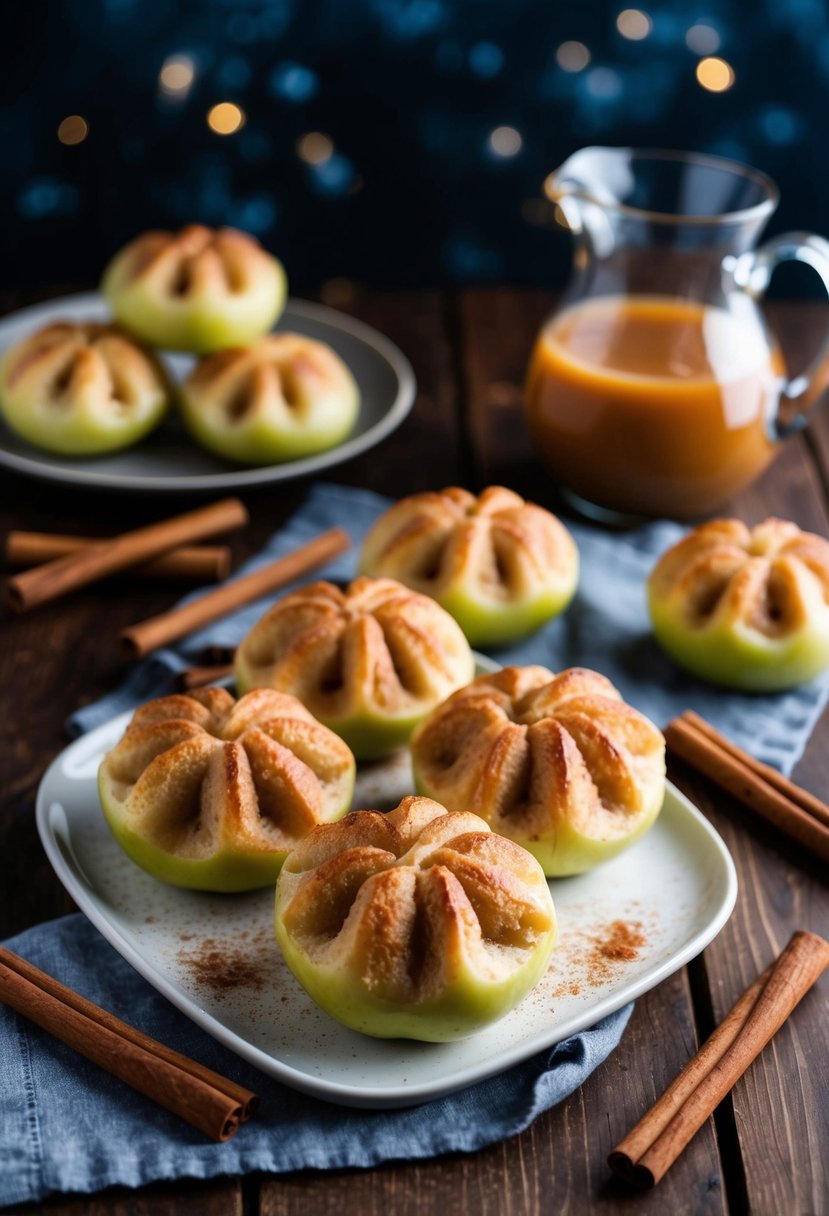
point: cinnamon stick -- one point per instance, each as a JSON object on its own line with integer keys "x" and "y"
{"x": 810, "y": 802}
{"x": 197, "y": 677}
{"x": 646, "y": 1153}
{"x": 105, "y": 557}
{"x": 732, "y": 773}
{"x": 148, "y": 635}
{"x": 214, "y": 1104}
{"x": 209, "y": 563}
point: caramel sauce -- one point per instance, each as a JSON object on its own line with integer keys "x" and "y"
{"x": 653, "y": 405}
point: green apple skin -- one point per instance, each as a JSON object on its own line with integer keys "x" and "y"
{"x": 734, "y": 656}
{"x": 469, "y": 1005}
{"x": 198, "y": 326}
{"x": 495, "y": 624}
{"x": 570, "y": 852}
{"x": 566, "y": 852}
{"x": 70, "y": 435}
{"x": 259, "y": 442}
{"x": 224, "y": 872}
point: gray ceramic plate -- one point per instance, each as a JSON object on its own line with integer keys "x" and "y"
{"x": 168, "y": 461}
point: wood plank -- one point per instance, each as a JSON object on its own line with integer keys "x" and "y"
{"x": 219, "y": 1198}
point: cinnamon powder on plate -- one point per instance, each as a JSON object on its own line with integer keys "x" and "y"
{"x": 222, "y": 967}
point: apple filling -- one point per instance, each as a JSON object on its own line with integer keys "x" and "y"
{"x": 374, "y": 653}
{"x": 408, "y": 908}
{"x": 549, "y": 761}
{"x": 203, "y": 776}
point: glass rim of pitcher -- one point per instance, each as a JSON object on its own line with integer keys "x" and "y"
{"x": 765, "y": 207}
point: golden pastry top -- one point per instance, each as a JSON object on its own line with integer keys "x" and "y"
{"x": 198, "y": 772}
{"x": 405, "y": 901}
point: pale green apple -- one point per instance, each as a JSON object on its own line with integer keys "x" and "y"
{"x": 234, "y": 867}
{"x": 82, "y": 390}
{"x": 176, "y": 297}
{"x": 282, "y": 398}
{"x": 488, "y": 622}
{"x": 227, "y": 871}
{"x": 415, "y": 924}
{"x": 470, "y": 1004}
{"x": 732, "y": 653}
{"x": 501, "y": 566}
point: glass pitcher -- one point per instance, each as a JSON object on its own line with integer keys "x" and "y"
{"x": 655, "y": 387}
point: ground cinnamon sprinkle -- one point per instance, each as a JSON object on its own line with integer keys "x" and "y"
{"x": 222, "y": 967}
{"x": 596, "y": 956}
{"x": 618, "y": 942}
{"x": 623, "y": 941}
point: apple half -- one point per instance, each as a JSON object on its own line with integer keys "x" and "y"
{"x": 210, "y": 793}
{"x": 744, "y": 608}
{"x": 197, "y": 290}
{"x": 415, "y": 924}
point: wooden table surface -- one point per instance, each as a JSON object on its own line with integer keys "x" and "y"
{"x": 766, "y": 1149}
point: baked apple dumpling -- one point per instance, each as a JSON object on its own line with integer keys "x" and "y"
{"x": 416, "y": 924}
{"x": 744, "y": 607}
{"x": 501, "y": 566}
{"x": 81, "y": 389}
{"x": 282, "y": 398}
{"x": 208, "y": 792}
{"x": 198, "y": 290}
{"x": 370, "y": 661}
{"x": 560, "y": 764}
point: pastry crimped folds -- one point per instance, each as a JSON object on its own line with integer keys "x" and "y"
{"x": 209, "y": 792}
{"x": 745, "y": 607}
{"x": 80, "y": 388}
{"x": 559, "y": 763}
{"x": 370, "y": 661}
{"x": 417, "y": 923}
{"x": 501, "y": 566}
{"x": 199, "y": 289}
{"x": 284, "y": 397}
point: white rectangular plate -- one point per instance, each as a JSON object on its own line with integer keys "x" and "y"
{"x": 214, "y": 956}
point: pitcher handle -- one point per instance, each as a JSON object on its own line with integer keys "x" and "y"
{"x": 752, "y": 273}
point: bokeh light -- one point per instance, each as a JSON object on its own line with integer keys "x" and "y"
{"x": 702, "y": 39}
{"x": 715, "y": 74}
{"x": 177, "y": 75}
{"x": 505, "y": 141}
{"x": 572, "y": 56}
{"x": 315, "y": 148}
{"x": 73, "y": 130}
{"x": 634, "y": 24}
{"x": 225, "y": 118}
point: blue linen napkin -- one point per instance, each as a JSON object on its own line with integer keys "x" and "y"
{"x": 66, "y": 1125}
{"x": 606, "y": 628}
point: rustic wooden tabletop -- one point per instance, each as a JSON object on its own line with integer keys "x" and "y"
{"x": 765, "y": 1149}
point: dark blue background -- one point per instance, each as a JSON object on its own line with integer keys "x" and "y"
{"x": 409, "y": 91}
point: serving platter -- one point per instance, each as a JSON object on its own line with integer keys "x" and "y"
{"x": 624, "y": 928}
{"x": 168, "y": 460}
